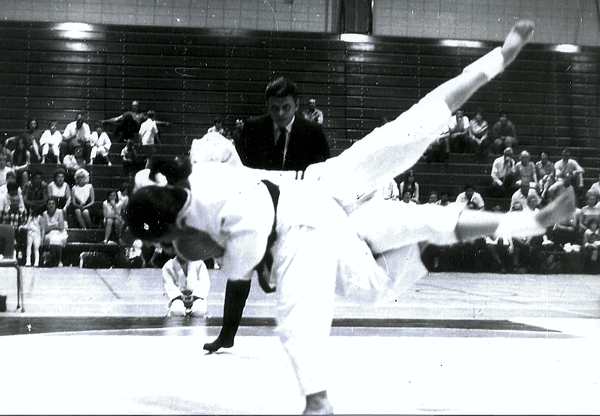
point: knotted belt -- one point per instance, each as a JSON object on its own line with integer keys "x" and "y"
{"x": 264, "y": 267}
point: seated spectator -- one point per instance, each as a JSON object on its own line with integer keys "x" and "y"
{"x": 35, "y": 194}
{"x": 11, "y": 177}
{"x": 54, "y": 232}
{"x": 433, "y": 197}
{"x": 444, "y": 199}
{"x": 111, "y": 211}
{"x": 591, "y": 244}
{"x": 4, "y": 169}
{"x": 20, "y": 159}
{"x": 76, "y": 135}
{"x": 50, "y": 144}
{"x": 522, "y": 194}
{"x": 312, "y": 113}
{"x": 478, "y": 130}
{"x": 469, "y": 196}
{"x": 390, "y": 191}
{"x": 409, "y": 183}
{"x": 217, "y": 127}
{"x": 123, "y": 195}
{"x": 32, "y": 141}
{"x": 407, "y": 197}
{"x": 567, "y": 172}
{"x": 100, "y": 146}
{"x": 4, "y": 150}
{"x": 74, "y": 162}
{"x": 524, "y": 251}
{"x": 132, "y": 162}
{"x": 545, "y": 174}
{"x": 459, "y": 133}
{"x": 60, "y": 191}
{"x": 525, "y": 171}
{"x": 186, "y": 284}
{"x": 503, "y": 175}
{"x": 82, "y": 198}
{"x": 591, "y": 211}
{"x": 149, "y": 134}
{"x": 566, "y": 234}
{"x": 504, "y": 134}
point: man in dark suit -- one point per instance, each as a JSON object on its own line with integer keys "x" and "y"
{"x": 280, "y": 140}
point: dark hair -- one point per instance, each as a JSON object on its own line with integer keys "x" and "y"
{"x": 152, "y": 209}
{"x": 281, "y": 87}
{"x": 175, "y": 169}
{"x": 58, "y": 171}
{"x": 12, "y": 187}
{"x": 469, "y": 186}
{"x": 35, "y": 172}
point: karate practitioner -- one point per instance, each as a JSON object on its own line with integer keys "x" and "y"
{"x": 262, "y": 223}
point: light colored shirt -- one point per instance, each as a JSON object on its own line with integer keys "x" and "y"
{"x": 476, "y": 198}
{"x": 501, "y": 168}
{"x": 81, "y": 135}
{"x": 148, "y": 132}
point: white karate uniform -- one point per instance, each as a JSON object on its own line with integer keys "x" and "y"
{"x": 196, "y": 280}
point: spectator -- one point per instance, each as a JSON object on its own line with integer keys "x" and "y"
{"x": 136, "y": 116}
{"x": 54, "y": 232}
{"x": 497, "y": 247}
{"x": 14, "y": 214}
{"x": 591, "y": 211}
{"x": 82, "y": 198}
{"x": 565, "y": 234}
{"x": 4, "y": 170}
{"x": 60, "y": 191}
{"x": 469, "y": 196}
{"x": 74, "y": 162}
{"x": 237, "y": 131}
{"x": 408, "y": 197}
{"x": 35, "y": 194}
{"x": 20, "y": 159}
{"x": 186, "y": 284}
{"x": 409, "y": 183}
{"x": 522, "y": 194}
{"x": 217, "y": 127}
{"x": 478, "y": 130}
{"x": 11, "y": 177}
{"x": 505, "y": 134}
{"x": 525, "y": 170}
{"x": 128, "y": 129}
{"x": 591, "y": 244}
{"x": 149, "y": 134}
{"x": 567, "y": 172}
{"x": 76, "y": 134}
{"x": 132, "y": 162}
{"x": 433, "y": 197}
{"x": 123, "y": 195}
{"x": 279, "y": 140}
{"x": 459, "y": 133}
{"x": 312, "y": 113}
{"x": 50, "y": 143}
{"x": 4, "y": 150}
{"x": 545, "y": 174}
{"x": 390, "y": 190}
{"x": 444, "y": 199}
{"x": 524, "y": 251}
{"x": 502, "y": 174}
{"x": 32, "y": 138}
{"x": 111, "y": 210}
{"x": 34, "y": 240}
{"x": 100, "y": 143}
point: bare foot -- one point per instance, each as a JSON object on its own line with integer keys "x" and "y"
{"x": 518, "y": 37}
{"x": 561, "y": 208}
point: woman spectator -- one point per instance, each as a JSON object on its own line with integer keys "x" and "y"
{"x": 409, "y": 184}
{"x": 82, "y": 198}
{"x": 545, "y": 173}
{"x": 54, "y": 232}
{"x": 20, "y": 159}
{"x": 50, "y": 143}
{"x": 111, "y": 209}
{"x": 33, "y": 136}
{"x": 60, "y": 190}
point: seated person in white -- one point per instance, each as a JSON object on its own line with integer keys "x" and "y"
{"x": 470, "y": 196}
{"x": 186, "y": 286}
{"x": 101, "y": 144}
{"x": 50, "y": 143}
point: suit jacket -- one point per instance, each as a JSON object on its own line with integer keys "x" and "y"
{"x": 307, "y": 144}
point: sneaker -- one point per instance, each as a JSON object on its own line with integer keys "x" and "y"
{"x": 576, "y": 248}
{"x": 546, "y": 241}
{"x": 568, "y": 248}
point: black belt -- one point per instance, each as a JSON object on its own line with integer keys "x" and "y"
{"x": 264, "y": 267}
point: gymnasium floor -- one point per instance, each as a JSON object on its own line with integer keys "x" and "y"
{"x": 97, "y": 342}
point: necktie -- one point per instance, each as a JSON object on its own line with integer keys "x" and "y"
{"x": 280, "y": 146}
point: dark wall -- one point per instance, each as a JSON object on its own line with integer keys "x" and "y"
{"x": 188, "y": 76}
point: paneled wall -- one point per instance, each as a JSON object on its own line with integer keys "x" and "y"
{"x": 188, "y": 76}
{"x": 557, "y": 21}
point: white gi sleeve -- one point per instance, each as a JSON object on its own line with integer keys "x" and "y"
{"x": 169, "y": 279}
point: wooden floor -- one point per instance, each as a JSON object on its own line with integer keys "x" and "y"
{"x": 97, "y": 342}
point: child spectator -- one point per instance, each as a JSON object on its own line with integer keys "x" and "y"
{"x": 54, "y": 232}
{"x": 60, "y": 190}
{"x": 101, "y": 144}
{"x": 50, "y": 143}
{"x": 149, "y": 134}
{"x": 82, "y": 198}
{"x": 131, "y": 161}
{"x": 186, "y": 286}
{"x": 34, "y": 240}
{"x": 111, "y": 210}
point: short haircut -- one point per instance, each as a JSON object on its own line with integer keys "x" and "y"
{"x": 12, "y": 188}
{"x": 58, "y": 171}
{"x": 174, "y": 169}
{"x": 281, "y": 87}
{"x": 153, "y": 209}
